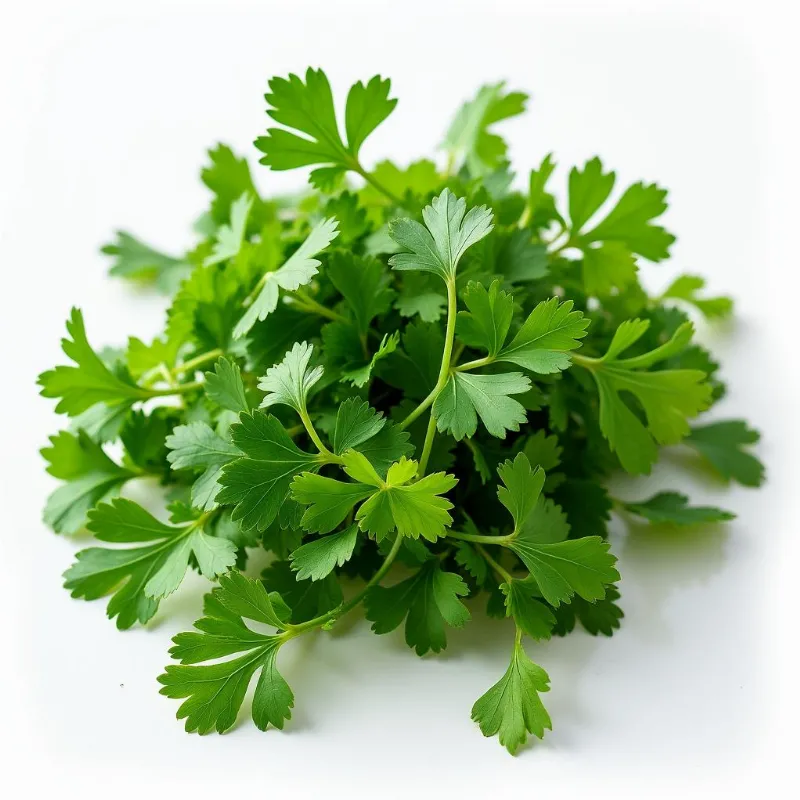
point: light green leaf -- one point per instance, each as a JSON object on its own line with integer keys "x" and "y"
{"x": 356, "y": 422}
{"x": 469, "y": 138}
{"x": 91, "y": 381}
{"x": 318, "y": 558}
{"x": 224, "y": 386}
{"x": 486, "y": 323}
{"x": 531, "y": 616}
{"x": 512, "y": 708}
{"x": 521, "y": 488}
{"x": 468, "y": 396}
{"x": 543, "y": 343}
{"x": 289, "y": 382}
{"x": 673, "y": 508}
{"x": 297, "y": 271}
{"x": 214, "y": 692}
{"x": 687, "y": 287}
{"x": 448, "y": 233}
{"x": 135, "y": 260}
{"x": 230, "y": 236}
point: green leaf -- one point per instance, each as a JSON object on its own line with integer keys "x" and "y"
{"x": 360, "y": 375}
{"x": 427, "y": 601}
{"x": 468, "y": 396}
{"x": 328, "y": 500}
{"x": 308, "y": 109}
{"x": 414, "y": 509}
{"x": 214, "y": 692}
{"x": 602, "y": 616}
{"x": 365, "y": 285}
{"x": 686, "y": 288}
{"x": 356, "y": 423}
{"x": 137, "y": 261}
{"x": 722, "y": 445}
{"x": 469, "y": 138}
{"x": 91, "y": 381}
{"x": 289, "y": 382}
{"x": 629, "y": 223}
{"x": 530, "y": 615}
{"x": 667, "y": 397}
{"x": 486, "y": 323}
{"x": 139, "y": 577}
{"x": 448, "y": 233}
{"x": 230, "y": 236}
{"x": 576, "y": 566}
{"x": 258, "y": 484}
{"x": 296, "y": 271}
{"x": 537, "y": 183}
{"x": 228, "y": 177}
{"x": 606, "y": 268}
{"x": 521, "y": 488}
{"x": 90, "y": 475}
{"x": 543, "y": 450}
{"x": 224, "y": 386}
{"x": 588, "y": 190}
{"x": 196, "y": 445}
{"x": 318, "y": 558}
{"x": 308, "y": 599}
{"x": 673, "y": 508}
{"x": 512, "y": 709}
{"x": 543, "y": 343}
{"x": 547, "y": 524}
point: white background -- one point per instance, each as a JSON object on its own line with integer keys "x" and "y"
{"x": 107, "y": 109}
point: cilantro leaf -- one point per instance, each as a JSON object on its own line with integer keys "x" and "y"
{"x": 468, "y": 396}
{"x": 289, "y": 382}
{"x": 90, "y": 475}
{"x": 231, "y": 235}
{"x": 140, "y": 577}
{"x": 667, "y": 397}
{"x": 91, "y": 381}
{"x": 427, "y": 601}
{"x": 543, "y": 343}
{"x": 530, "y": 615}
{"x": 258, "y": 484}
{"x": 328, "y": 500}
{"x": 511, "y": 709}
{"x": 135, "y": 260}
{"x": 521, "y": 488}
{"x": 629, "y": 223}
{"x": 228, "y": 177}
{"x": 673, "y": 508}
{"x": 224, "y": 386}
{"x": 686, "y": 288}
{"x": 197, "y": 446}
{"x": 722, "y": 445}
{"x": 486, "y": 323}
{"x": 469, "y": 137}
{"x": 215, "y": 692}
{"x": 602, "y": 616}
{"x": 308, "y": 108}
{"x": 318, "y": 558}
{"x": 296, "y": 271}
{"x": 356, "y": 422}
{"x": 448, "y": 233}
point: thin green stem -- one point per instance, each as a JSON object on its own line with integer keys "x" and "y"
{"x": 525, "y": 217}
{"x": 426, "y": 449}
{"x": 197, "y": 361}
{"x": 585, "y": 361}
{"x": 304, "y": 302}
{"x": 312, "y": 432}
{"x": 369, "y": 178}
{"x": 447, "y": 354}
{"x": 183, "y": 388}
{"x": 336, "y": 613}
{"x": 480, "y": 538}
{"x": 495, "y": 565}
{"x": 476, "y": 364}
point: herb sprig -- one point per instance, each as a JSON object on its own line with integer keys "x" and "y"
{"x": 421, "y": 368}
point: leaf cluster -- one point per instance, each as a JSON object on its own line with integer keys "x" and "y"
{"x": 410, "y": 385}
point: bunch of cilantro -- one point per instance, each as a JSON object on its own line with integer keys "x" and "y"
{"x": 421, "y": 368}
